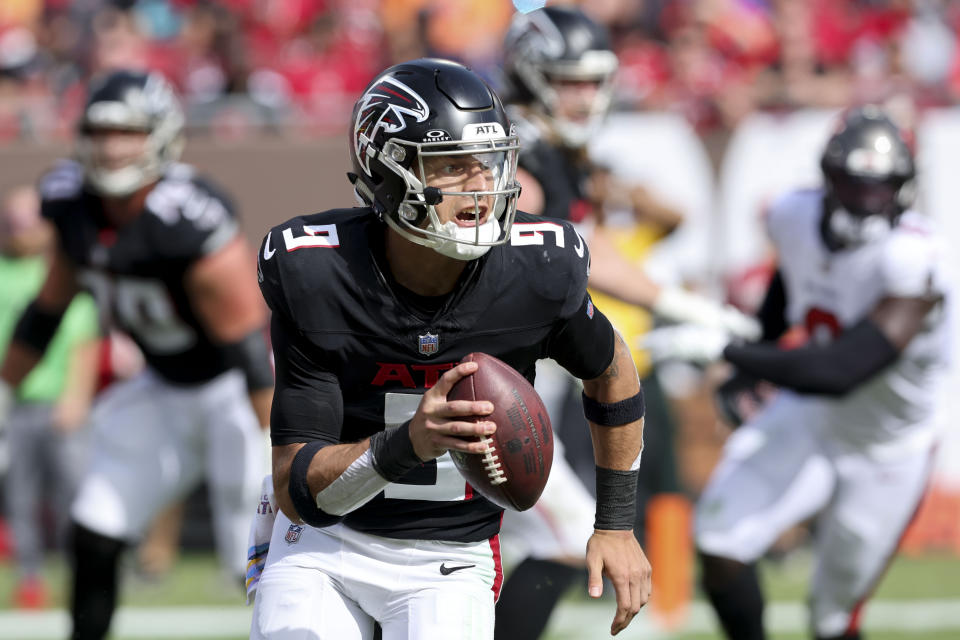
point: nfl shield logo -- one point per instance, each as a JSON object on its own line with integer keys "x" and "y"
{"x": 429, "y": 344}
{"x": 293, "y": 534}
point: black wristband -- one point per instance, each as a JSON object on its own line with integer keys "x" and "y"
{"x": 303, "y": 500}
{"x": 613, "y": 414}
{"x": 616, "y": 499}
{"x": 393, "y": 454}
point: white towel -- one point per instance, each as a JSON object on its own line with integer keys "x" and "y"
{"x": 260, "y": 531}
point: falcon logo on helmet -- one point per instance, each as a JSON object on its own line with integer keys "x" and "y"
{"x": 408, "y": 160}
{"x": 385, "y": 106}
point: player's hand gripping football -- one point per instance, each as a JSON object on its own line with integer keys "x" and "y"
{"x": 439, "y": 425}
{"x": 617, "y": 555}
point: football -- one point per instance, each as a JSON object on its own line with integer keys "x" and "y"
{"x": 514, "y": 469}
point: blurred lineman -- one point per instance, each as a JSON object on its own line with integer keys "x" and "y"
{"x": 44, "y": 431}
{"x": 848, "y": 439}
{"x": 161, "y": 250}
{"x": 373, "y": 308}
{"x": 559, "y": 68}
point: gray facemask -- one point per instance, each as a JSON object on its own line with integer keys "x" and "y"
{"x": 855, "y": 230}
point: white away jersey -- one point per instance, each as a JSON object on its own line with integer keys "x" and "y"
{"x": 829, "y": 291}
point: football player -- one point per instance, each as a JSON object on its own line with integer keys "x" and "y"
{"x": 559, "y": 69}
{"x": 373, "y": 309}
{"x": 161, "y": 250}
{"x": 848, "y": 439}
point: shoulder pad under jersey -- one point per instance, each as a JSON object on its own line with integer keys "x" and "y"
{"x": 913, "y": 261}
{"x": 792, "y": 211}
{"x": 61, "y": 183}
{"x": 300, "y": 257}
{"x": 554, "y": 256}
{"x": 193, "y": 216}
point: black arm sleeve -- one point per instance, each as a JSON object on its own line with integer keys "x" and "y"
{"x": 772, "y": 314}
{"x": 307, "y": 402}
{"x": 833, "y": 369}
{"x": 583, "y": 344}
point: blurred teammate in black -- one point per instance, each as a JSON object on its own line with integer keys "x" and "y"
{"x": 373, "y": 308}
{"x": 161, "y": 250}
{"x": 559, "y": 69}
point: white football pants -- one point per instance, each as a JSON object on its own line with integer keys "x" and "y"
{"x": 332, "y": 583}
{"x": 780, "y": 470}
{"x": 153, "y": 443}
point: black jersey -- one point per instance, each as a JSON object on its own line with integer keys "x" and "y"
{"x": 136, "y": 272}
{"x": 560, "y": 173}
{"x": 339, "y": 320}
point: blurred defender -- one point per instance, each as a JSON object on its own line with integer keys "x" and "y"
{"x": 161, "y": 251}
{"x": 848, "y": 439}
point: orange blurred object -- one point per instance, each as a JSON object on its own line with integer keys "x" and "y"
{"x": 936, "y": 526}
{"x": 669, "y": 548}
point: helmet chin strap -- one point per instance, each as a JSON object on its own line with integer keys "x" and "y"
{"x": 460, "y": 244}
{"x": 854, "y": 230}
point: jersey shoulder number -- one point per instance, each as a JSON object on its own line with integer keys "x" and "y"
{"x": 299, "y": 255}
{"x": 554, "y": 255}
{"x": 194, "y": 211}
{"x": 536, "y": 231}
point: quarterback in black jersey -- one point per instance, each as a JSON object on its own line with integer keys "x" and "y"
{"x": 373, "y": 309}
{"x": 161, "y": 251}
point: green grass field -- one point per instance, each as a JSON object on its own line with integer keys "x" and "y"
{"x": 918, "y": 600}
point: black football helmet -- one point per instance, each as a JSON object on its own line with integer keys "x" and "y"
{"x": 130, "y": 101}
{"x": 869, "y": 170}
{"x": 426, "y": 110}
{"x": 556, "y": 44}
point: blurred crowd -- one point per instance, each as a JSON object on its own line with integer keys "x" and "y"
{"x": 297, "y": 65}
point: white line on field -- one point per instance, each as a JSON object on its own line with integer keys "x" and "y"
{"x": 572, "y": 621}
{"x": 780, "y": 617}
